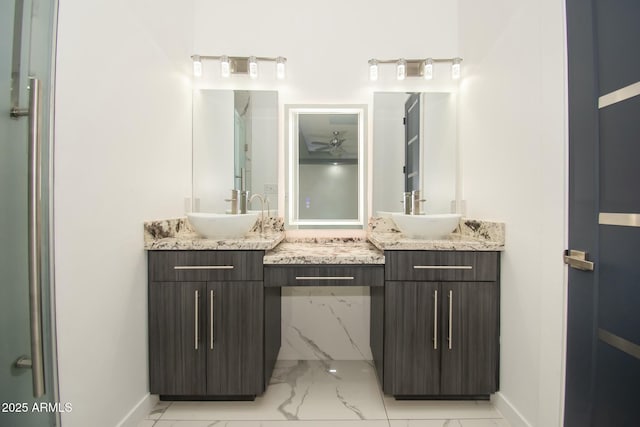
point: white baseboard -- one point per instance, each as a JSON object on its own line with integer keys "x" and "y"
{"x": 139, "y": 411}
{"x": 509, "y": 412}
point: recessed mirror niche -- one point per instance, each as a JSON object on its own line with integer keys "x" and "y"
{"x": 235, "y": 140}
{"x": 415, "y": 147}
{"x": 326, "y": 162}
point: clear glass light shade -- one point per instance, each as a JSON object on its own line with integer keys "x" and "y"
{"x": 401, "y": 69}
{"x": 280, "y": 68}
{"x": 225, "y": 66}
{"x": 428, "y": 69}
{"x": 197, "y": 66}
{"x": 373, "y": 70}
{"x": 455, "y": 68}
{"x": 253, "y": 67}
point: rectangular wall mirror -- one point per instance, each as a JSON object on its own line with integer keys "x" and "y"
{"x": 326, "y": 162}
{"x": 235, "y": 133}
{"x": 415, "y": 147}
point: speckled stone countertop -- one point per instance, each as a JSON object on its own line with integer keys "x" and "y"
{"x": 324, "y": 251}
{"x": 471, "y": 235}
{"x": 177, "y": 234}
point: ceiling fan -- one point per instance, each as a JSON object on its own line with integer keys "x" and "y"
{"x": 334, "y": 145}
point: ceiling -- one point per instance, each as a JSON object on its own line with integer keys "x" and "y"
{"x": 319, "y": 128}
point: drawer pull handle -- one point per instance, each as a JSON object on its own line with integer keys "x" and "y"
{"x": 443, "y": 267}
{"x": 203, "y": 267}
{"x": 197, "y": 318}
{"x": 450, "y": 319}
{"x": 325, "y": 278}
{"x": 435, "y": 320}
{"x": 211, "y": 296}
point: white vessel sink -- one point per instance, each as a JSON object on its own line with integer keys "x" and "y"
{"x": 222, "y": 226}
{"x": 426, "y": 226}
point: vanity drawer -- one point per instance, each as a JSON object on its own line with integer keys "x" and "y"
{"x": 323, "y": 275}
{"x": 441, "y": 266}
{"x": 205, "y": 266}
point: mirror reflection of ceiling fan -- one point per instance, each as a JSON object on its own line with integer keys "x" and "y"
{"x": 334, "y": 145}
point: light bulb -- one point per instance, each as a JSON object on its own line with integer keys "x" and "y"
{"x": 373, "y": 70}
{"x": 401, "y": 69}
{"x": 197, "y": 66}
{"x": 225, "y": 66}
{"x": 455, "y": 68}
{"x": 253, "y": 67}
{"x": 281, "y": 67}
{"x": 428, "y": 69}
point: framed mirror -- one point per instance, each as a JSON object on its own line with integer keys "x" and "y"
{"x": 415, "y": 147}
{"x": 326, "y": 166}
{"x": 235, "y": 135}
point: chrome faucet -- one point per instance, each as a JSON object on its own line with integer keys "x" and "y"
{"x": 411, "y": 202}
{"x": 263, "y": 200}
{"x": 415, "y": 202}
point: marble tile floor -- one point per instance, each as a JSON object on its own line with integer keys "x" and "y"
{"x": 325, "y": 393}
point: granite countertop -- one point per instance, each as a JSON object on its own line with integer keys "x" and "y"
{"x": 471, "y": 235}
{"x": 177, "y": 234}
{"x": 324, "y": 251}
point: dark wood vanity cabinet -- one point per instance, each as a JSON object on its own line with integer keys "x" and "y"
{"x": 435, "y": 327}
{"x": 206, "y": 324}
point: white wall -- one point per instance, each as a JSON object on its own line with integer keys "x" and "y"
{"x": 512, "y": 130}
{"x": 328, "y": 45}
{"x": 264, "y": 116}
{"x": 213, "y": 149}
{"x": 439, "y": 151}
{"x": 328, "y": 192}
{"x": 122, "y": 156}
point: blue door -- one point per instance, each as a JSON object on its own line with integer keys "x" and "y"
{"x": 603, "y": 322}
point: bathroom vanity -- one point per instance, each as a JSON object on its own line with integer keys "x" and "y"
{"x": 215, "y": 311}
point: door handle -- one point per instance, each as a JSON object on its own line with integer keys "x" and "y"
{"x": 34, "y": 113}
{"x": 577, "y": 260}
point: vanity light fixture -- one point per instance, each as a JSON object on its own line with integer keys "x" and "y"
{"x": 230, "y": 65}
{"x": 197, "y": 66}
{"x": 373, "y": 70}
{"x": 281, "y": 67}
{"x": 225, "y": 66}
{"x": 428, "y": 69}
{"x": 253, "y": 67}
{"x": 401, "y": 69}
{"x": 455, "y": 68}
{"x": 414, "y": 67}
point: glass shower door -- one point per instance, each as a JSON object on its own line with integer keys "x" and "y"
{"x": 28, "y": 395}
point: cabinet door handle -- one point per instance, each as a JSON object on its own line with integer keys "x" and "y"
{"x": 325, "y": 278}
{"x": 211, "y": 296}
{"x": 450, "y": 338}
{"x": 203, "y": 267}
{"x": 443, "y": 267}
{"x": 435, "y": 319}
{"x": 197, "y": 316}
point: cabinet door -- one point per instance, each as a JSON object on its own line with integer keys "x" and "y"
{"x": 470, "y": 338}
{"x": 412, "y": 342}
{"x": 176, "y": 322}
{"x": 234, "y": 340}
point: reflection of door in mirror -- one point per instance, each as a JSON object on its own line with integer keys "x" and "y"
{"x": 412, "y": 143}
{"x": 234, "y": 131}
{"x": 426, "y": 148}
